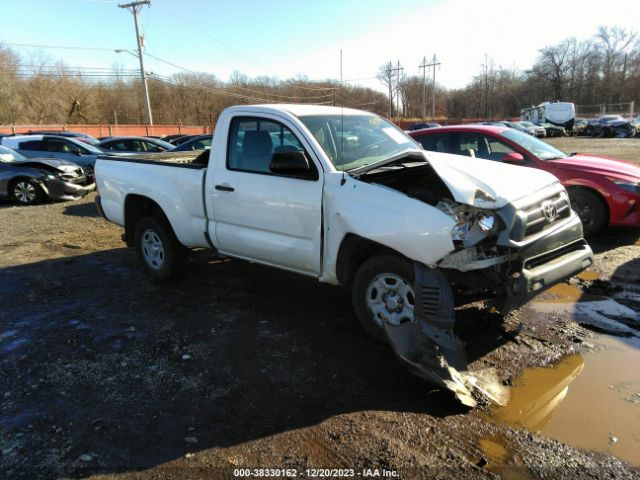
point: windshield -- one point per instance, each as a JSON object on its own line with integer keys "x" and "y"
{"x": 354, "y": 141}
{"x": 8, "y": 155}
{"x": 87, "y": 146}
{"x": 527, "y": 124}
{"x": 540, "y": 149}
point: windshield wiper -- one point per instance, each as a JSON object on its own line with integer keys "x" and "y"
{"x": 384, "y": 161}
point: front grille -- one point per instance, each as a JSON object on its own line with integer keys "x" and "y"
{"x": 80, "y": 180}
{"x": 540, "y": 216}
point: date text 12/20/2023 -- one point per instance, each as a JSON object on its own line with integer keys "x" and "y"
{"x": 314, "y": 473}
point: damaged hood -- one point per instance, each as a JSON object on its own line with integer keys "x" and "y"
{"x": 474, "y": 181}
{"x": 485, "y": 183}
{"x": 63, "y": 166}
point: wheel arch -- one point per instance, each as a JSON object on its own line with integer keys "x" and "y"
{"x": 137, "y": 207}
{"x": 353, "y": 251}
{"x": 596, "y": 191}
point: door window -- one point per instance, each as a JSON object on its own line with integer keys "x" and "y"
{"x": 435, "y": 143}
{"x": 32, "y": 145}
{"x": 60, "y": 146}
{"x": 253, "y": 141}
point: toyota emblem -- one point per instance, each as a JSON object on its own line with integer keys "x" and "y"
{"x": 550, "y": 211}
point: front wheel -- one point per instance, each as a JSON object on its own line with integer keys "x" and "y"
{"x": 26, "y": 192}
{"x": 383, "y": 291}
{"x": 159, "y": 251}
{"x": 590, "y": 208}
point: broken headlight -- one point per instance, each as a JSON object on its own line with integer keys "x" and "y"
{"x": 472, "y": 225}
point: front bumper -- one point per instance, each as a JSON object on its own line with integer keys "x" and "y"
{"x": 57, "y": 189}
{"x": 543, "y": 271}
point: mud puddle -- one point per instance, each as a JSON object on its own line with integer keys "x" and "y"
{"x": 589, "y": 400}
{"x": 601, "y": 312}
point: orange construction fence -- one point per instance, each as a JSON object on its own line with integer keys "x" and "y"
{"x": 112, "y": 130}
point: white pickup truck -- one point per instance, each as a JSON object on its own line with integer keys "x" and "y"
{"x": 345, "y": 196}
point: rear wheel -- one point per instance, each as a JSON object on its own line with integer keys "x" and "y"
{"x": 26, "y": 191}
{"x": 590, "y": 208}
{"x": 158, "y": 249}
{"x": 383, "y": 291}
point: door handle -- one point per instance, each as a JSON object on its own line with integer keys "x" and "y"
{"x": 224, "y": 188}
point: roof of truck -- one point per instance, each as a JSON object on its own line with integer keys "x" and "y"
{"x": 304, "y": 109}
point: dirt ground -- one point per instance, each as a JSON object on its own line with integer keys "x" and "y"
{"x": 621, "y": 148}
{"x": 108, "y": 375}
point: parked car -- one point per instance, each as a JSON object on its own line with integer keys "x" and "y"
{"x": 134, "y": 145}
{"x": 401, "y": 225}
{"x": 580, "y": 126}
{"x": 198, "y": 142}
{"x": 181, "y": 140}
{"x": 172, "y": 138}
{"x": 552, "y": 130}
{"x": 54, "y": 146}
{"x": 603, "y": 191}
{"x": 538, "y": 131}
{"x": 636, "y": 125}
{"x": 519, "y": 127}
{"x": 29, "y": 181}
{"x": 610, "y": 126}
{"x": 421, "y": 125}
{"x": 83, "y": 137}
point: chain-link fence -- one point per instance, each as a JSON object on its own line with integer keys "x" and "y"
{"x": 625, "y": 109}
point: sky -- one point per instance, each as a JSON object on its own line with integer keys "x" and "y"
{"x": 289, "y": 38}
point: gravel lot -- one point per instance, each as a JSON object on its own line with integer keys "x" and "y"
{"x": 621, "y": 148}
{"x": 106, "y": 374}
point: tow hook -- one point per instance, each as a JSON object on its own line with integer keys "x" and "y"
{"x": 430, "y": 349}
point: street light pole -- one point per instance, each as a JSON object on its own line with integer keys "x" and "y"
{"x": 135, "y": 8}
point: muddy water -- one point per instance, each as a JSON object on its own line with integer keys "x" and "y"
{"x": 590, "y": 401}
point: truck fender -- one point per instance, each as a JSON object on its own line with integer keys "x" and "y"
{"x": 384, "y": 217}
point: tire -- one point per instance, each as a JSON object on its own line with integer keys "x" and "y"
{"x": 373, "y": 282}
{"x": 26, "y": 192}
{"x": 161, "y": 254}
{"x": 590, "y": 208}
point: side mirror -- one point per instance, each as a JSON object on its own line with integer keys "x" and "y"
{"x": 293, "y": 164}
{"x": 513, "y": 157}
{"x": 78, "y": 153}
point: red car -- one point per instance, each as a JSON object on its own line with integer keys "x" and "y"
{"x": 603, "y": 191}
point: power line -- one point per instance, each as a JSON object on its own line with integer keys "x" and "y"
{"x": 70, "y": 47}
{"x": 221, "y": 91}
{"x": 290, "y": 97}
{"x": 264, "y": 68}
{"x": 61, "y": 47}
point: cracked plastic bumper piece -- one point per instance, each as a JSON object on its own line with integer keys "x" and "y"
{"x": 428, "y": 346}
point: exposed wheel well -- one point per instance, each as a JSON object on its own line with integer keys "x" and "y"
{"x": 595, "y": 192}
{"x": 137, "y": 207}
{"x": 353, "y": 251}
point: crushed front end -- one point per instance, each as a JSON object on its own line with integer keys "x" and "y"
{"x": 535, "y": 242}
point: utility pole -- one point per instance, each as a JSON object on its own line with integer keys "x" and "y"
{"x": 424, "y": 87}
{"x": 433, "y": 64}
{"x": 389, "y": 77}
{"x": 398, "y": 70}
{"x": 135, "y": 8}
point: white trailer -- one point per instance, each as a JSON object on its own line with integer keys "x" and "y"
{"x": 562, "y": 114}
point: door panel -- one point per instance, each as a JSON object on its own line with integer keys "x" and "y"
{"x": 262, "y": 216}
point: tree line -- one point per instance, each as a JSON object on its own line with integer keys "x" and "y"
{"x": 604, "y": 69}
{"x": 36, "y": 90}
{"x": 601, "y": 70}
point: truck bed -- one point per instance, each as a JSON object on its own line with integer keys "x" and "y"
{"x": 177, "y": 191}
{"x": 195, "y": 159}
